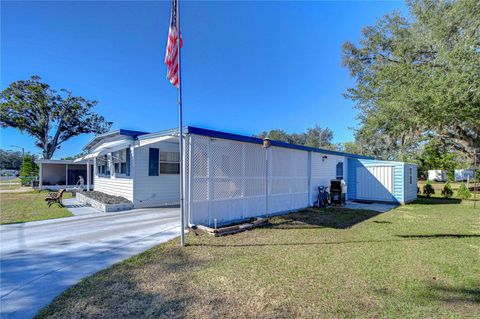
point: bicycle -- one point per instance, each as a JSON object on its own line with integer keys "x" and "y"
{"x": 324, "y": 198}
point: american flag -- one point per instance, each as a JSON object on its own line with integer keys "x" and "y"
{"x": 171, "y": 54}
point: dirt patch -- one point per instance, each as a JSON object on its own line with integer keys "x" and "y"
{"x": 106, "y": 198}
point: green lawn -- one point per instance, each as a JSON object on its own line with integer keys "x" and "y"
{"x": 417, "y": 261}
{"x": 10, "y": 184}
{"x": 29, "y": 206}
{"x": 15, "y": 180}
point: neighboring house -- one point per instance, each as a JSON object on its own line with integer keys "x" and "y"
{"x": 437, "y": 175}
{"x": 56, "y": 174}
{"x": 464, "y": 175}
{"x": 227, "y": 176}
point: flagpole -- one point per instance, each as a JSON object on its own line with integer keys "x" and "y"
{"x": 180, "y": 129}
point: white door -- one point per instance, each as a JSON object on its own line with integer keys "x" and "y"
{"x": 375, "y": 183}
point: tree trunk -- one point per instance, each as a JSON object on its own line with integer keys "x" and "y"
{"x": 48, "y": 151}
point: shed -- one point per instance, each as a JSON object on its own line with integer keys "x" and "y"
{"x": 382, "y": 181}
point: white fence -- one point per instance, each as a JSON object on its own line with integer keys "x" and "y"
{"x": 225, "y": 179}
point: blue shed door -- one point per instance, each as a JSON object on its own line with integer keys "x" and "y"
{"x": 375, "y": 183}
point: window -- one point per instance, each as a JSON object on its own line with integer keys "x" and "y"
{"x": 120, "y": 162}
{"x": 103, "y": 168}
{"x": 340, "y": 170}
{"x": 169, "y": 163}
{"x": 410, "y": 175}
{"x": 153, "y": 157}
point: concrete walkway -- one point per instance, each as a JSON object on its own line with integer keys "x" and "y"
{"x": 378, "y": 207}
{"x": 80, "y": 209}
{"x": 41, "y": 259}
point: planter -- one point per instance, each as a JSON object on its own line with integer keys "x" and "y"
{"x": 81, "y": 197}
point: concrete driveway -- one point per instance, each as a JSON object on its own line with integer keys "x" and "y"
{"x": 41, "y": 259}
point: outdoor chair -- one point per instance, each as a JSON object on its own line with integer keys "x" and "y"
{"x": 55, "y": 197}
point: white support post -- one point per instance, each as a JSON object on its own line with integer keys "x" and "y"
{"x": 309, "y": 178}
{"x": 40, "y": 176}
{"x": 210, "y": 182}
{"x": 266, "y": 181}
{"x": 66, "y": 175}
{"x": 190, "y": 187}
{"x": 88, "y": 176}
{"x": 184, "y": 181}
{"x": 243, "y": 180}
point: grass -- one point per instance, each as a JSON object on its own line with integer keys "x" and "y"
{"x": 29, "y": 206}
{"x": 10, "y": 184}
{"x": 417, "y": 261}
{"x": 15, "y": 180}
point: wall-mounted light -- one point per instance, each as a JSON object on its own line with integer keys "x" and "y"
{"x": 324, "y": 158}
{"x": 266, "y": 142}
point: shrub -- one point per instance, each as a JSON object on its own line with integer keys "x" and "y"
{"x": 447, "y": 191}
{"x": 428, "y": 189}
{"x": 463, "y": 192}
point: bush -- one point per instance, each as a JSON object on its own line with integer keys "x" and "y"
{"x": 447, "y": 191}
{"x": 464, "y": 192}
{"x": 428, "y": 189}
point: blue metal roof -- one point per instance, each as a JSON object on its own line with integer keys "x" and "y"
{"x": 256, "y": 140}
{"x": 224, "y": 135}
{"x": 131, "y": 133}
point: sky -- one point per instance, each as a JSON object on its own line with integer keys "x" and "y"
{"x": 247, "y": 67}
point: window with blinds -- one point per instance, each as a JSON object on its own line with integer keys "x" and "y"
{"x": 169, "y": 162}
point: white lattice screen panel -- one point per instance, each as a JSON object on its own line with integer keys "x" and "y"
{"x": 288, "y": 179}
{"x": 224, "y": 185}
{"x": 228, "y": 180}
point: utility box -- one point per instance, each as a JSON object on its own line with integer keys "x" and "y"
{"x": 338, "y": 189}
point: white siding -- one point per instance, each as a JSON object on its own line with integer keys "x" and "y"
{"x": 115, "y": 186}
{"x": 323, "y": 171}
{"x": 154, "y": 191}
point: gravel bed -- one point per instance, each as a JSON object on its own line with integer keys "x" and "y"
{"x": 105, "y": 198}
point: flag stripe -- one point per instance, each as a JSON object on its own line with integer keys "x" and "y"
{"x": 172, "y": 51}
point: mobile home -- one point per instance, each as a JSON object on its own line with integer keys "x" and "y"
{"x": 231, "y": 177}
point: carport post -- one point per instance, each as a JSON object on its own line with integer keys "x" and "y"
{"x": 88, "y": 176}
{"x": 40, "y": 175}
